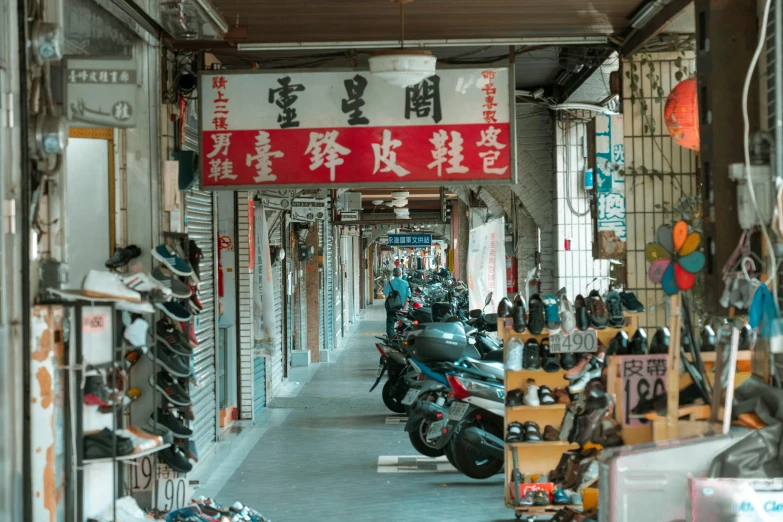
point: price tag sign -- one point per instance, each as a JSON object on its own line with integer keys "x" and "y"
{"x": 141, "y": 474}
{"x": 577, "y": 342}
{"x": 173, "y": 489}
{"x": 643, "y": 377}
{"x": 93, "y": 323}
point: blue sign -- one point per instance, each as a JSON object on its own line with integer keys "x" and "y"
{"x": 410, "y": 240}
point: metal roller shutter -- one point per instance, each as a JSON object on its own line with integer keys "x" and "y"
{"x": 327, "y": 294}
{"x": 321, "y": 289}
{"x": 337, "y": 294}
{"x": 274, "y": 369}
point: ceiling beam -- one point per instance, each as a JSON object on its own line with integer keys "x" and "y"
{"x": 577, "y": 79}
{"x": 655, "y": 26}
{"x": 428, "y": 44}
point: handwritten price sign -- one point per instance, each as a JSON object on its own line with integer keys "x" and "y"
{"x": 643, "y": 377}
{"x": 93, "y": 323}
{"x": 577, "y": 342}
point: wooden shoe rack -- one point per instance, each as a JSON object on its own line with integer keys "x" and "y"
{"x": 540, "y": 457}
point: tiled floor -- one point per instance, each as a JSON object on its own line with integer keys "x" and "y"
{"x": 320, "y": 458}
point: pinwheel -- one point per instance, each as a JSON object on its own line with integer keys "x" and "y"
{"x": 675, "y": 258}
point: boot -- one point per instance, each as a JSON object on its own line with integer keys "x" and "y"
{"x": 518, "y": 314}
{"x": 639, "y": 342}
{"x": 660, "y": 342}
{"x": 618, "y": 345}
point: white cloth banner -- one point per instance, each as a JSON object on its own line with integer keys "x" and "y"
{"x": 271, "y": 331}
{"x": 487, "y": 265}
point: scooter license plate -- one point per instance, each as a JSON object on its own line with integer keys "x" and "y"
{"x": 380, "y": 370}
{"x": 410, "y": 397}
{"x": 436, "y": 430}
{"x": 457, "y": 410}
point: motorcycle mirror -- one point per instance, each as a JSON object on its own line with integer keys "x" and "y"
{"x": 488, "y": 299}
{"x": 475, "y": 314}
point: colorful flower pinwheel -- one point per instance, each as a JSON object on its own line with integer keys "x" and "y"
{"x": 675, "y": 258}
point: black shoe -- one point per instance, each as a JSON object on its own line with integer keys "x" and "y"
{"x": 549, "y": 360}
{"x": 176, "y": 341}
{"x": 597, "y": 309}
{"x": 631, "y": 303}
{"x": 195, "y": 254}
{"x": 519, "y": 313}
{"x": 638, "y": 344}
{"x": 168, "y": 360}
{"x": 175, "y": 459}
{"x": 746, "y": 337}
{"x": 101, "y": 445}
{"x": 514, "y": 398}
{"x": 122, "y": 256}
{"x": 614, "y": 309}
{"x": 707, "y": 339}
{"x": 174, "y": 310}
{"x": 660, "y": 341}
{"x": 531, "y": 358}
{"x": 580, "y": 311}
{"x": 618, "y": 345}
{"x": 535, "y": 321}
{"x": 505, "y": 308}
{"x": 567, "y": 360}
{"x": 167, "y": 420}
{"x": 169, "y": 387}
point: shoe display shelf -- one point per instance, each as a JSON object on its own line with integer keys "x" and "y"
{"x": 544, "y": 456}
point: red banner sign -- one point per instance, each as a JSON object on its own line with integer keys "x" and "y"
{"x": 344, "y": 128}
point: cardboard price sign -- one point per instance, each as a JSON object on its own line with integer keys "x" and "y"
{"x": 577, "y": 342}
{"x": 643, "y": 377}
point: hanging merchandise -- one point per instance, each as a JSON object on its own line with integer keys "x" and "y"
{"x": 681, "y": 114}
{"x": 487, "y": 264}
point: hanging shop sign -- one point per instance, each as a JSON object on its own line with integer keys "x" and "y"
{"x": 643, "y": 377}
{"x": 487, "y": 265}
{"x": 608, "y": 163}
{"x": 410, "y": 240}
{"x": 102, "y": 92}
{"x": 343, "y": 128}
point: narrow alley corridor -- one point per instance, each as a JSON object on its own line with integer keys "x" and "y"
{"x": 319, "y": 458}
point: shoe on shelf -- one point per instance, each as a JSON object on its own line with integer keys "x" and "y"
{"x": 561, "y": 498}
{"x": 531, "y": 394}
{"x": 532, "y": 432}
{"x": 168, "y": 421}
{"x": 638, "y": 344}
{"x": 597, "y": 310}
{"x": 567, "y": 360}
{"x": 576, "y": 499}
{"x": 122, "y": 256}
{"x": 167, "y": 334}
{"x": 567, "y": 315}
{"x": 144, "y": 283}
{"x": 518, "y": 314}
{"x": 579, "y": 368}
{"x": 195, "y": 255}
{"x": 527, "y": 499}
{"x": 535, "y": 319}
{"x": 172, "y": 261}
{"x": 169, "y": 361}
{"x": 101, "y": 444}
{"x": 631, "y": 303}
{"x": 514, "y": 398}
{"x": 552, "y": 314}
{"x": 541, "y": 498}
{"x": 660, "y": 341}
{"x": 562, "y": 396}
{"x": 96, "y": 393}
{"x": 108, "y": 285}
{"x": 142, "y": 440}
{"x": 614, "y": 309}
{"x": 136, "y": 332}
{"x": 545, "y": 395}
{"x": 594, "y": 371}
{"x": 514, "y": 432}
{"x": 175, "y": 459}
{"x": 549, "y": 361}
{"x": 531, "y": 357}
{"x": 169, "y": 387}
{"x": 505, "y": 308}
{"x": 178, "y": 289}
{"x": 589, "y": 475}
{"x": 580, "y": 313}
{"x": 551, "y": 434}
{"x": 618, "y": 345}
{"x": 174, "y": 310}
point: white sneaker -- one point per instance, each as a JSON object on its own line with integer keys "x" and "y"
{"x": 146, "y": 283}
{"x": 531, "y": 396}
{"x": 142, "y": 307}
{"x": 514, "y": 355}
{"x": 136, "y": 332}
{"x": 567, "y": 317}
{"x": 580, "y": 384}
{"x": 107, "y": 285}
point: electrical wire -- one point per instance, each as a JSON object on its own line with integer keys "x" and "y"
{"x": 746, "y": 149}
{"x": 567, "y": 141}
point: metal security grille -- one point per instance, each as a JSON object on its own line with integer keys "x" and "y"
{"x": 327, "y": 320}
{"x": 275, "y": 361}
{"x": 337, "y": 284}
{"x": 200, "y": 225}
{"x": 321, "y": 288}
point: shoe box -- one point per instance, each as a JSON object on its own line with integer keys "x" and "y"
{"x": 735, "y": 500}
{"x": 649, "y": 482}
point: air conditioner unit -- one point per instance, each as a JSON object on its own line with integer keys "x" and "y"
{"x": 275, "y": 199}
{"x": 309, "y": 209}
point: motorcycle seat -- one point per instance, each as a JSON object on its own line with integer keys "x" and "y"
{"x": 493, "y": 356}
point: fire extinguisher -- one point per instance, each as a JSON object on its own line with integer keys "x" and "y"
{"x": 511, "y": 274}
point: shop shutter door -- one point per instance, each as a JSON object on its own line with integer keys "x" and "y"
{"x": 327, "y": 320}
{"x": 275, "y": 359}
{"x": 259, "y": 385}
{"x": 321, "y": 289}
{"x": 337, "y": 295}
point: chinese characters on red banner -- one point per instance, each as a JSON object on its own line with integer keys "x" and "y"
{"x": 489, "y": 96}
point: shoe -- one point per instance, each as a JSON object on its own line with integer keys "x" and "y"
{"x": 576, "y": 499}
{"x": 589, "y": 475}
{"x": 580, "y": 313}
{"x": 174, "y": 310}
{"x": 561, "y": 498}
{"x": 107, "y": 285}
{"x": 191, "y": 335}
{"x": 514, "y": 355}
{"x": 567, "y": 360}
{"x": 527, "y": 499}
{"x": 101, "y": 445}
{"x": 614, "y": 308}
{"x": 96, "y": 393}
{"x": 562, "y": 396}
{"x": 532, "y": 432}
{"x": 192, "y": 451}
{"x": 505, "y": 308}
{"x": 194, "y": 256}
{"x": 541, "y": 498}
{"x": 578, "y": 369}
{"x": 167, "y": 333}
{"x": 597, "y": 310}
{"x": 580, "y": 384}
{"x": 531, "y": 394}
{"x": 518, "y": 314}
{"x": 168, "y": 386}
{"x": 531, "y": 358}
{"x": 618, "y": 345}
{"x": 135, "y": 308}
{"x": 144, "y": 283}
{"x": 178, "y": 289}
{"x": 175, "y": 459}
{"x": 545, "y": 395}
{"x": 638, "y": 344}
{"x": 143, "y": 441}
{"x": 707, "y": 339}
{"x": 122, "y": 256}
{"x": 172, "y": 261}
{"x": 535, "y": 319}
{"x": 631, "y": 303}
{"x": 552, "y": 314}
{"x": 549, "y": 361}
{"x": 168, "y": 421}
{"x": 168, "y": 360}
{"x": 136, "y": 332}
{"x": 551, "y": 434}
{"x": 660, "y": 341}
{"x": 567, "y": 315}
{"x": 514, "y": 432}
{"x": 514, "y": 398}
{"x": 746, "y": 339}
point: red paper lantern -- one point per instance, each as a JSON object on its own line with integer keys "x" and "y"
{"x": 681, "y": 114}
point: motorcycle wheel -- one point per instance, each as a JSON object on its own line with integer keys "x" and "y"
{"x": 470, "y": 463}
{"x": 449, "y": 452}
{"x": 389, "y": 399}
{"x": 418, "y": 434}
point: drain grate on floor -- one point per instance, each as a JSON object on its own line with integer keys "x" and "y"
{"x": 396, "y": 419}
{"x": 414, "y": 464}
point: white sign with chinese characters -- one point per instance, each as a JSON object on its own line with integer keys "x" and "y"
{"x": 487, "y": 265}
{"x": 101, "y": 92}
{"x": 577, "y": 342}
